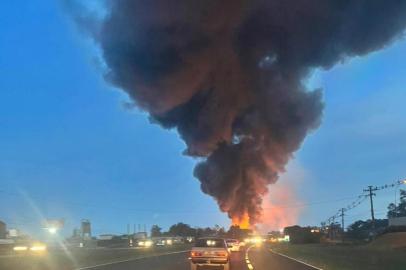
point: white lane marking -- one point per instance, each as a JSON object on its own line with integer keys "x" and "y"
{"x": 296, "y": 260}
{"x": 247, "y": 260}
{"x": 129, "y": 260}
{"x": 12, "y": 256}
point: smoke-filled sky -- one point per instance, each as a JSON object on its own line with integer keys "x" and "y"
{"x": 74, "y": 149}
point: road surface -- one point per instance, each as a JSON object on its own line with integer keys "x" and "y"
{"x": 255, "y": 258}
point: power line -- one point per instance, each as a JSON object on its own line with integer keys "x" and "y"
{"x": 368, "y": 193}
{"x": 371, "y": 193}
{"x": 340, "y": 213}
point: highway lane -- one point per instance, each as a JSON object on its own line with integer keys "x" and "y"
{"x": 254, "y": 259}
{"x": 263, "y": 259}
{"x": 172, "y": 261}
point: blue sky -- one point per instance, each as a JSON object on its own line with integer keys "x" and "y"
{"x": 69, "y": 148}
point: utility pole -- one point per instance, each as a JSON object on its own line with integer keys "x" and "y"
{"x": 342, "y": 224}
{"x": 371, "y": 190}
{"x": 342, "y": 218}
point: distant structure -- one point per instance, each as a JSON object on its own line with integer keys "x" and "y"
{"x": 76, "y": 233}
{"x": 140, "y": 235}
{"x": 3, "y": 230}
{"x": 397, "y": 221}
{"x": 86, "y": 229}
{"x": 302, "y": 235}
{"x": 82, "y": 237}
{"x": 335, "y": 231}
{"x": 106, "y": 237}
{"x": 14, "y": 233}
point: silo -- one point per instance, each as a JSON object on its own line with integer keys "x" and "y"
{"x": 86, "y": 229}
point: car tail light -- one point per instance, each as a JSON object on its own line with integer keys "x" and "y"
{"x": 196, "y": 254}
{"x": 221, "y": 253}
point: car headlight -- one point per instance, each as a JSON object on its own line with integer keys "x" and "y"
{"x": 38, "y": 248}
{"x": 20, "y": 248}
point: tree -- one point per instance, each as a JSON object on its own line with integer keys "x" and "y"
{"x": 362, "y": 229}
{"x": 156, "y": 231}
{"x": 236, "y": 232}
{"x": 181, "y": 229}
{"x": 392, "y": 210}
{"x": 400, "y": 209}
{"x": 221, "y": 232}
{"x": 402, "y": 195}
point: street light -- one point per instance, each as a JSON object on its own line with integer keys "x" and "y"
{"x": 52, "y": 226}
{"x": 52, "y": 230}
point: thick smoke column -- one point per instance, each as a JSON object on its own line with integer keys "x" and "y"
{"x": 228, "y": 75}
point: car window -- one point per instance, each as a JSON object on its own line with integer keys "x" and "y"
{"x": 216, "y": 243}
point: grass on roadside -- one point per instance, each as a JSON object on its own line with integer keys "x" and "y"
{"x": 345, "y": 257}
{"x": 77, "y": 257}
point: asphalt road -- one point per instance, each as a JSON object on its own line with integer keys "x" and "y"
{"x": 255, "y": 258}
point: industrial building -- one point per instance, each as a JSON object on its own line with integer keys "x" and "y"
{"x": 3, "y": 230}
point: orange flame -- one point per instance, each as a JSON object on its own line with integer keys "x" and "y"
{"x": 243, "y": 222}
{"x": 279, "y": 210}
{"x": 282, "y": 206}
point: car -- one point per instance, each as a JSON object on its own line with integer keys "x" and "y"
{"x": 30, "y": 248}
{"x": 210, "y": 252}
{"x": 233, "y": 245}
{"x": 145, "y": 243}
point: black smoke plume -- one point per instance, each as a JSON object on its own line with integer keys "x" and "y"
{"x": 229, "y": 76}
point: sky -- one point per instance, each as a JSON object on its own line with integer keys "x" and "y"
{"x": 70, "y": 149}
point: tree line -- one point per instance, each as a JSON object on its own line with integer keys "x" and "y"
{"x": 185, "y": 230}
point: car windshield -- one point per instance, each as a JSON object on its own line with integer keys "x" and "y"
{"x": 210, "y": 243}
{"x": 202, "y": 134}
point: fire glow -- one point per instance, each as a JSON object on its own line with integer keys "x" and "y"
{"x": 280, "y": 207}
{"x": 243, "y": 222}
